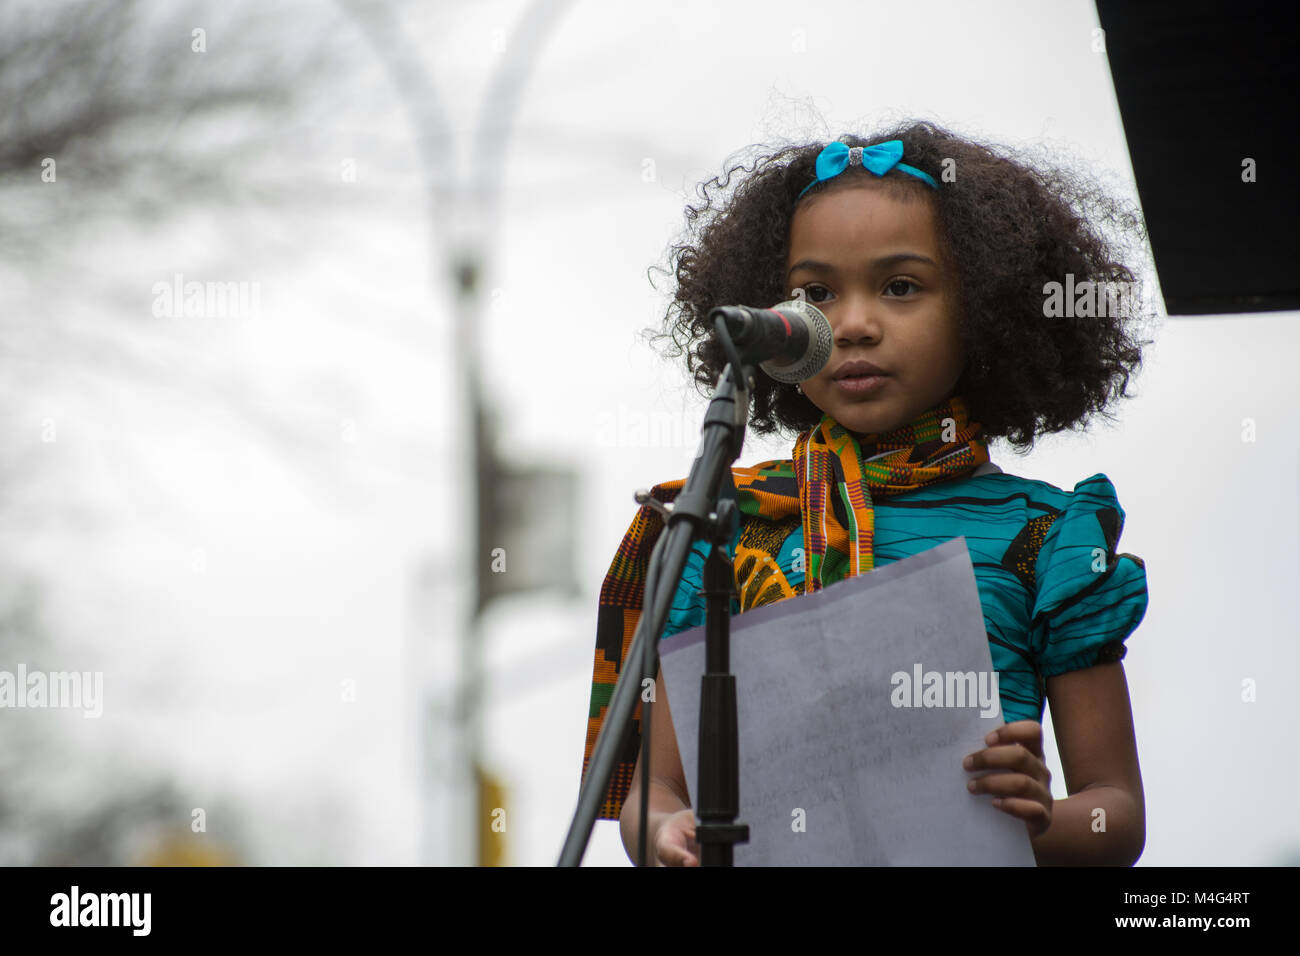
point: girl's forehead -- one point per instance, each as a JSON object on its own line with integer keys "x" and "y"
{"x": 860, "y": 217}
{"x": 867, "y": 197}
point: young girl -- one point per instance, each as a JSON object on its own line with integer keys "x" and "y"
{"x": 933, "y": 257}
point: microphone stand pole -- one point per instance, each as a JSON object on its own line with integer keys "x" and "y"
{"x": 702, "y": 510}
{"x": 718, "y": 773}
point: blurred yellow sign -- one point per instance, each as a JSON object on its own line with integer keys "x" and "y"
{"x": 492, "y": 814}
{"x": 187, "y": 850}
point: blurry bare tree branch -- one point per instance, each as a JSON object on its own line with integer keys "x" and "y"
{"x": 141, "y": 115}
{"x": 145, "y": 109}
{"x": 147, "y": 114}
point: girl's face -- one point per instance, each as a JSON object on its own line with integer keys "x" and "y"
{"x": 872, "y": 264}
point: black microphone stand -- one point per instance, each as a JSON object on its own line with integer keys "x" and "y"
{"x": 705, "y": 509}
{"x": 718, "y": 772}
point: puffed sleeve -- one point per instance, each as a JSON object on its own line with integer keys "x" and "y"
{"x": 1089, "y": 598}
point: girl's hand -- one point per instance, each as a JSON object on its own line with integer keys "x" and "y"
{"x": 674, "y": 843}
{"x": 1025, "y": 791}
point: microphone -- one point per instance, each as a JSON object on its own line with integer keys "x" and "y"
{"x": 791, "y": 341}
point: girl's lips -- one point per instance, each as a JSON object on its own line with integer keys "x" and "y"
{"x": 861, "y": 384}
{"x": 858, "y": 367}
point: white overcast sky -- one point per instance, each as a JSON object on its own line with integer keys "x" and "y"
{"x": 308, "y": 582}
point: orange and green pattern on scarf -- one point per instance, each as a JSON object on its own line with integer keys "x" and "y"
{"x": 939, "y": 444}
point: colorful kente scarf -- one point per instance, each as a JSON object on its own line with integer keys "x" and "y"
{"x": 827, "y": 486}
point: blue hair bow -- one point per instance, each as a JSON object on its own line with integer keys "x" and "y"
{"x": 878, "y": 159}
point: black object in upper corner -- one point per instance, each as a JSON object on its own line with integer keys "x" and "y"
{"x": 1203, "y": 86}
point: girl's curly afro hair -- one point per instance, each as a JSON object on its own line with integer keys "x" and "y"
{"x": 1008, "y": 227}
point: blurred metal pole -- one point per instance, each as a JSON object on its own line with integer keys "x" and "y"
{"x": 488, "y": 164}
{"x": 465, "y": 216}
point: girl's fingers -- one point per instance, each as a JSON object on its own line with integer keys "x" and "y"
{"x": 692, "y": 850}
{"x": 1011, "y": 785}
{"x": 679, "y": 849}
{"x": 1022, "y": 797}
{"x": 1032, "y": 812}
{"x": 1029, "y": 733}
{"x": 676, "y": 856}
{"x": 1015, "y": 757}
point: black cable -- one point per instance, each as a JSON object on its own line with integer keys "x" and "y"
{"x": 648, "y": 656}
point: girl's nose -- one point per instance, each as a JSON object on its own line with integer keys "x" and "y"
{"x": 855, "y": 322}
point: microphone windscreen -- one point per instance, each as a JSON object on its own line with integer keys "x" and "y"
{"x": 818, "y": 352}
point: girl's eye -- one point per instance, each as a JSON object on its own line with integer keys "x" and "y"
{"x": 809, "y": 291}
{"x": 906, "y": 284}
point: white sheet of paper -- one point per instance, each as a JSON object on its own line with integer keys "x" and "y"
{"x": 832, "y": 772}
